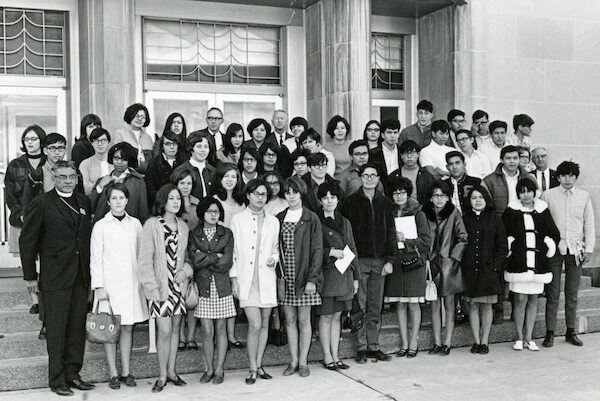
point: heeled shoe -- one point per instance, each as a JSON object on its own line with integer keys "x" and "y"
{"x": 251, "y": 379}
{"x": 412, "y": 353}
{"x": 262, "y": 374}
{"x": 178, "y": 381}
{"x": 206, "y": 377}
{"x": 158, "y": 386}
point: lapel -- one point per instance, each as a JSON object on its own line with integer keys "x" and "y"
{"x": 63, "y": 209}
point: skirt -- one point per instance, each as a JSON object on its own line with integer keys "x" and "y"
{"x": 330, "y": 305}
{"x": 215, "y": 307}
{"x": 405, "y": 300}
{"x": 484, "y": 299}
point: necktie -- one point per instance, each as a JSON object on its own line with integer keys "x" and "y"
{"x": 280, "y": 139}
{"x": 543, "y": 181}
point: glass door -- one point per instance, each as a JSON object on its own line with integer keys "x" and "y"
{"x": 384, "y": 109}
{"x": 242, "y": 109}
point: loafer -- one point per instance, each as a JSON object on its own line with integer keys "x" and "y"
{"x": 435, "y": 350}
{"x": 129, "y": 380}
{"x": 206, "y": 377}
{"x": 35, "y": 309}
{"x": 219, "y": 378}
{"x": 484, "y": 349}
{"x": 475, "y": 349}
{"x": 573, "y": 339}
{"x": 531, "y": 345}
{"x": 402, "y": 352}
{"x": 412, "y": 353}
{"x": 262, "y": 374}
{"x": 548, "y": 341}
{"x": 290, "y": 370}
{"x": 158, "y": 386}
{"x": 303, "y": 371}
{"x": 330, "y": 366}
{"x": 235, "y": 344}
{"x": 63, "y": 390}
{"x": 114, "y": 383}
{"x": 518, "y": 345}
{"x": 361, "y": 357}
{"x": 80, "y": 384}
{"x": 177, "y": 381}
{"x": 445, "y": 351}
{"x": 378, "y": 355}
{"x": 342, "y": 365}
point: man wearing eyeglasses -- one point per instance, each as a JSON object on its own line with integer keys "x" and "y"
{"x": 57, "y": 227}
{"x": 545, "y": 176}
{"x": 477, "y": 164}
{"x": 350, "y": 180}
{"x": 456, "y": 120}
{"x": 370, "y": 214}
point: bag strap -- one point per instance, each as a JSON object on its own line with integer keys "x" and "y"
{"x": 428, "y": 271}
{"x": 98, "y": 305}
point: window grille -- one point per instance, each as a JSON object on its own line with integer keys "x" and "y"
{"x": 193, "y": 51}
{"x": 387, "y": 61}
{"x": 32, "y": 42}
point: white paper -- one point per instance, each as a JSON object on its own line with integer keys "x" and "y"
{"x": 343, "y": 263}
{"x": 408, "y": 226}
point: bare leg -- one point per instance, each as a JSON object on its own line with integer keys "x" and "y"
{"x": 305, "y": 332}
{"x": 254, "y": 327}
{"x": 265, "y": 314}
{"x": 208, "y": 343}
{"x": 436, "y": 322}
{"x": 520, "y": 301}
{"x": 335, "y": 335}
{"x": 415, "y": 325}
{"x": 487, "y": 316}
{"x": 474, "y": 320}
{"x": 231, "y": 330}
{"x": 111, "y": 358}
{"x": 175, "y": 322}
{"x": 192, "y": 322}
{"x": 291, "y": 329}
{"x": 221, "y": 333}
{"x": 325, "y": 337}
{"x": 402, "y": 308}
{"x": 531, "y": 315}
{"x": 450, "y": 307}
{"x": 182, "y": 337}
{"x": 163, "y": 345}
{"x": 125, "y": 348}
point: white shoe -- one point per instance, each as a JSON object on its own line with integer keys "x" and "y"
{"x": 518, "y": 345}
{"x": 532, "y": 346}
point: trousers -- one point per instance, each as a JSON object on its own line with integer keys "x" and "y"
{"x": 572, "y": 277}
{"x": 370, "y": 299}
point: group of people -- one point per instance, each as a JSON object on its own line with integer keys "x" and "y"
{"x": 275, "y": 219}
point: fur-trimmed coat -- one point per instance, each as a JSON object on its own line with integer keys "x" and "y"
{"x": 532, "y": 237}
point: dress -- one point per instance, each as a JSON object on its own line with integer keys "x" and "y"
{"x": 175, "y": 304}
{"x": 214, "y": 307}
{"x": 289, "y": 270}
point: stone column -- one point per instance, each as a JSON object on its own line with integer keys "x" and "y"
{"x": 338, "y": 35}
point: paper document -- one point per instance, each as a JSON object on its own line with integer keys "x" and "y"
{"x": 408, "y": 226}
{"x": 343, "y": 263}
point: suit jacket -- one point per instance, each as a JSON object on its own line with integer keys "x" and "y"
{"x": 553, "y": 179}
{"x": 60, "y": 237}
{"x": 376, "y": 158}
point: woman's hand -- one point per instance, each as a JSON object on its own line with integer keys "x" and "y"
{"x": 355, "y": 285}
{"x": 400, "y": 236}
{"x": 219, "y": 255}
{"x": 180, "y": 277}
{"x": 271, "y": 262}
{"x": 235, "y": 288}
{"x": 388, "y": 268}
{"x": 336, "y": 253}
{"x": 310, "y": 288}
{"x": 101, "y": 294}
{"x": 105, "y": 181}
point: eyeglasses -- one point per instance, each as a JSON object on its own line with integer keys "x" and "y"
{"x": 298, "y": 164}
{"x": 320, "y": 166}
{"x": 465, "y": 139}
{"x": 439, "y": 196}
{"x": 118, "y": 159}
{"x": 369, "y": 176}
{"x": 32, "y": 139}
{"x": 260, "y": 194}
{"x": 399, "y": 193}
{"x": 141, "y": 116}
{"x": 71, "y": 177}
{"x": 102, "y": 141}
{"x": 359, "y": 154}
{"x": 249, "y": 159}
{"x": 270, "y": 155}
{"x": 273, "y": 183}
{"x": 170, "y": 144}
{"x": 56, "y": 148}
{"x": 460, "y": 121}
{"x": 214, "y": 118}
{"x": 213, "y": 212}
{"x": 539, "y": 156}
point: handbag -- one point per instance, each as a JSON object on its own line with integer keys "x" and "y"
{"x": 103, "y": 328}
{"x": 411, "y": 261}
{"x": 280, "y": 289}
{"x": 430, "y": 287}
{"x": 354, "y": 319}
{"x": 190, "y": 294}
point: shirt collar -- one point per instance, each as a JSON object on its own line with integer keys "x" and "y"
{"x": 199, "y": 165}
{"x": 566, "y": 191}
{"x": 64, "y": 194}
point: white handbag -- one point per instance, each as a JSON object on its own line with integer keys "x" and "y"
{"x": 430, "y": 287}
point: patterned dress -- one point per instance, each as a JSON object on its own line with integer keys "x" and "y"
{"x": 174, "y": 304}
{"x": 289, "y": 270}
{"x": 214, "y": 307}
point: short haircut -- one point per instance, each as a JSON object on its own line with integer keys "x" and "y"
{"x": 255, "y": 155}
{"x": 280, "y": 111}
{"x": 39, "y": 131}
{"x": 255, "y": 183}
{"x": 64, "y": 164}
{"x": 310, "y": 133}
{"x": 55, "y": 137}
{"x": 116, "y": 186}
{"x": 214, "y": 109}
{"x": 442, "y": 186}
{"x": 269, "y": 145}
{"x": 454, "y": 153}
{"x": 356, "y": 144}
{"x": 523, "y": 120}
{"x": 198, "y": 137}
{"x": 128, "y": 153}
{"x": 568, "y": 167}
{"x": 486, "y": 195}
{"x": 480, "y": 114}
{"x": 329, "y": 187}
{"x": 508, "y": 149}
{"x": 390, "y": 124}
{"x": 207, "y": 202}
{"x": 526, "y": 183}
{"x": 466, "y": 131}
{"x": 409, "y": 146}
{"x": 299, "y": 153}
{"x": 279, "y": 177}
{"x": 162, "y": 196}
{"x": 217, "y": 188}
{"x": 179, "y": 175}
{"x": 169, "y": 122}
{"x": 524, "y": 149}
{"x": 453, "y": 113}
{"x": 365, "y": 166}
{"x": 171, "y": 136}
{"x": 87, "y": 120}
{"x": 232, "y": 131}
{"x": 299, "y": 121}
{"x": 400, "y": 183}
{"x": 380, "y": 139}
{"x": 315, "y": 159}
{"x": 257, "y": 122}
{"x": 497, "y": 124}
{"x": 132, "y": 111}
{"x": 97, "y": 133}
{"x": 425, "y": 105}
{"x": 296, "y": 184}
{"x": 332, "y": 124}
{"x": 440, "y": 125}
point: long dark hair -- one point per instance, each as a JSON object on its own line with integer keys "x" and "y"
{"x": 85, "y": 121}
{"x": 217, "y": 188}
{"x": 254, "y": 153}
{"x": 162, "y": 197}
{"x": 380, "y": 139}
{"x": 167, "y": 128}
{"x": 232, "y": 130}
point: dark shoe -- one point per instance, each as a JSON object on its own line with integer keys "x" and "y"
{"x": 498, "y": 316}
{"x": 251, "y": 379}
{"x": 192, "y": 345}
{"x": 361, "y": 357}
{"x": 80, "y": 384}
{"x": 435, "y": 350}
{"x": 63, "y": 390}
{"x": 445, "y": 350}
{"x": 35, "y": 309}
{"x": 330, "y": 366}
{"x": 262, "y": 374}
{"x": 303, "y": 371}
{"x": 484, "y": 349}
{"x": 129, "y": 380}
{"x": 219, "y": 378}
{"x": 573, "y": 339}
{"x": 290, "y": 370}
{"x": 158, "y": 386}
{"x": 402, "y": 353}
{"x": 236, "y": 344}
{"x": 206, "y": 377}
{"x": 178, "y": 381}
{"x": 475, "y": 349}
{"x": 342, "y": 365}
{"x": 114, "y": 383}
{"x": 378, "y": 355}
{"x": 42, "y": 334}
{"x": 412, "y": 353}
{"x": 548, "y": 341}
{"x": 181, "y": 346}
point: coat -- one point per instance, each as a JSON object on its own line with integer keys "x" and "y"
{"x": 337, "y": 234}
{"x": 137, "y": 205}
{"x": 91, "y": 172}
{"x": 113, "y": 266}
{"x": 202, "y": 256}
{"x": 51, "y": 231}
{"x": 496, "y": 185}
{"x": 152, "y": 258}
{"x": 424, "y": 181}
{"x": 465, "y": 184}
{"x": 208, "y": 173}
{"x": 485, "y": 253}
{"x": 14, "y": 182}
{"x": 308, "y": 251}
{"x": 82, "y": 149}
{"x": 311, "y": 199}
{"x": 410, "y": 283}
{"x": 244, "y": 229}
{"x": 529, "y": 255}
{"x": 145, "y": 145}
{"x": 158, "y": 174}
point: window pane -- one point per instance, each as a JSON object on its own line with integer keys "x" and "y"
{"x": 244, "y": 112}
{"x": 193, "y": 111}
{"x": 387, "y": 61}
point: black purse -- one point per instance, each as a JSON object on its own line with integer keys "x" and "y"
{"x": 411, "y": 261}
{"x": 354, "y": 319}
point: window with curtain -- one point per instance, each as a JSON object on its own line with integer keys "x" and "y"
{"x": 387, "y": 61}
{"x": 32, "y": 42}
{"x": 211, "y": 52}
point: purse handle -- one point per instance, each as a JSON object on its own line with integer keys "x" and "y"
{"x": 428, "y": 271}
{"x": 98, "y": 306}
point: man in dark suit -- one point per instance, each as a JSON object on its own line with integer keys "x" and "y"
{"x": 279, "y": 122}
{"x": 57, "y": 227}
{"x": 214, "y": 119}
{"x": 386, "y": 157}
{"x": 546, "y": 178}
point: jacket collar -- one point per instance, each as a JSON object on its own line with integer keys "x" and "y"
{"x": 429, "y": 211}
{"x": 538, "y": 205}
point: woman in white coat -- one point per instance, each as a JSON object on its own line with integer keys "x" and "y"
{"x": 253, "y": 277}
{"x": 113, "y": 267}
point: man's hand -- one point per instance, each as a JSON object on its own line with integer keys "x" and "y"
{"x": 388, "y": 268}
{"x": 585, "y": 258}
{"x": 32, "y": 286}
